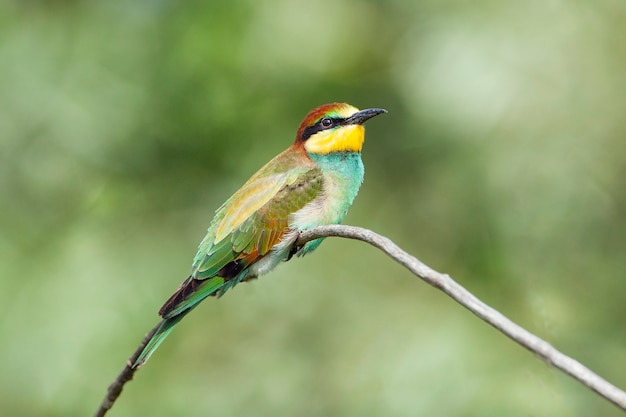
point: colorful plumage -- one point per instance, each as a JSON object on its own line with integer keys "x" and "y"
{"x": 312, "y": 183}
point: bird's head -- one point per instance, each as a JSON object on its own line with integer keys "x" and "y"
{"x": 335, "y": 127}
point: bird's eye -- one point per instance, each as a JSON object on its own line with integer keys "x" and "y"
{"x": 327, "y": 122}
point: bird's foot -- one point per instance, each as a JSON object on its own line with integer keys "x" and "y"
{"x": 294, "y": 249}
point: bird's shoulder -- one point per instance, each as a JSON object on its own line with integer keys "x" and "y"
{"x": 283, "y": 183}
{"x": 255, "y": 218}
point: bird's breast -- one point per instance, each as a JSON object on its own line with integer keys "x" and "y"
{"x": 342, "y": 177}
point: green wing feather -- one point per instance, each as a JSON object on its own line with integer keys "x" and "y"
{"x": 245, "y": 229}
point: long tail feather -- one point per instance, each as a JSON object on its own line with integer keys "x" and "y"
{"x": 163, "y": 331}
{"x": 189, "y": 294}
{"x": 185, "y": 299}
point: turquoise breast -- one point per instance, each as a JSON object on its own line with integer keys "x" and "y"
{"x": 343, "y": 176}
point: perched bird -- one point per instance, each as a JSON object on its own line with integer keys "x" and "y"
{"x": 310, "y": 184}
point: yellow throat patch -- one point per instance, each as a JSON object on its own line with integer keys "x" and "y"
{"x": 343, "y": 139}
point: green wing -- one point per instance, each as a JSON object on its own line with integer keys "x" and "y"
{"x": 243, "y": 231}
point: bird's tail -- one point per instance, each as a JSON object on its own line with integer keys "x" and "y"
{"x": 186, "y": 298}
{"x": 164, "y": 329}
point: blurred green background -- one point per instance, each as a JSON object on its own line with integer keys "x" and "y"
{"x": 124, "y": 125}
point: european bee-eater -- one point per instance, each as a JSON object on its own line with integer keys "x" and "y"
{"x": 310, "y": 184}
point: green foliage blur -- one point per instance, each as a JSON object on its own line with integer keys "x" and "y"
{"x": 125, "y": 124}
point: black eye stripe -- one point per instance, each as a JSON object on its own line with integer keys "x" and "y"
{"x": 318, "y": 127}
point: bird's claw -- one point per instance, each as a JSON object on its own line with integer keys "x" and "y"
{"x": 294, "y": 249}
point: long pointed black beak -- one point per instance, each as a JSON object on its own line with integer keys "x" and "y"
{"x": 360, "y": 117}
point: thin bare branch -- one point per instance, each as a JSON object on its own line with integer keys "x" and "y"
{"x": 115, "y": 389}
{"x": 446, "y": 284}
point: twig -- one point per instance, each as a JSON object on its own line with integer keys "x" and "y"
{"x": 115, "y": 389}
{"x": 446, "y": 284}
